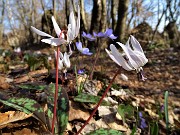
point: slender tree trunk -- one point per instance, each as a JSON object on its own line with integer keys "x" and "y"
{"x": 122, "y": 15}
{"x": 96, "y": 16}
{"x": 67, "y": 11}
{"x": 114, "y": 13}
{"x": 54, "y": 8}
{"x": 83, "y": 16}
{"x": 132, "y": 15}
{"x": 103, "y": 19}
{"x": 1, "y": 22}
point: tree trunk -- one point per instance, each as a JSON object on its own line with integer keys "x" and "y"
{"x": 122, "y": 15}
{"x": 54, "y": 8}
{"x": 96, "y": 16}
{"x": 1, "y": 22}
{"x": 103, "y": 19}
{"x": 83, "y": 16}
{"x": 114, "y": 13}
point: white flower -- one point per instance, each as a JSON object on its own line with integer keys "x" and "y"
{"x": 63, "y": 61}
{"x": 133, "y": 57}
{"x": 124, "y": 77}
{"x": 17, "y": 50}
{"x": 72, "y": 32}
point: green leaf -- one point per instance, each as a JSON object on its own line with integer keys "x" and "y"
{"x": 32, "y": 86}
{"x": 86, "y": 98}
{"x": 25, "y": 105}
{"x": 62, "y": 108}
{"x": 103, "y": 131}
{"x": 154, "y": 129}
{"x": 125, "y": 111}
{"x": 166, "y": 109}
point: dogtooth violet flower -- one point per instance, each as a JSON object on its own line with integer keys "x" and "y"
{"x": 88, "y": 36}
{"x": 107, "y": 33}
{"x": 72, "y": 32}
{"x": 63, "y": 61}
{"x": 133, "y": 57}
{"x": 83, "y": 50}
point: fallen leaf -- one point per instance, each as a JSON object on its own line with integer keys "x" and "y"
{"x": 76, "y": 112}
{"x": 12, "y": 116}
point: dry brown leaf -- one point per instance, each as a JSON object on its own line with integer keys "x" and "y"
{"x": 12, "y": 116}
{"x": 76, "y": 112}
{"x": 30, "y": 75}
{"x": 151, "y": 113}
{"x": 3, "y": 83}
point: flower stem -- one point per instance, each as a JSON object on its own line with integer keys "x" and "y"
{"x": 56, "y": 91}
{"x": 105, "y": 93}
{"x": 96, "y": 57}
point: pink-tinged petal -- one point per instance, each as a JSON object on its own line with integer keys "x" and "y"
{"x": 56, "y": 27}
{"x": 66, "y": 60}
{"x": 135, "y": 44}
{"x": 41, "y": 33}
{"x": 120, "y": 58}
{"x": 129, "y": 53}
{"x": 54, "y": 41}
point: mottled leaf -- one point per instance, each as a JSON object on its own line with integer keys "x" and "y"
{"x": 25, "y": 105}
{"x": 102, "y": 131}
{"x": 32, "y": 86}
{"x": 62, "y": 108}
{"x": 86, "y": 98}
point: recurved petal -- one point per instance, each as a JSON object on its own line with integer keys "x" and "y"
{"x": 73, "y": 23}
{"x": 120, "y": 58}
{"x": 41, "y": 33}
{"x": 66, "y": 60}
{"x": 135, "y": 44}
{"x": 56, "y": 27}
{"x": 112, "y": 57}
{"x": 54, "y": 41}
{"x": 130, "y": 55}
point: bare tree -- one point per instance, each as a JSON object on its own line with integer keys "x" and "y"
{"x": 114, "y": 8}
{"x": 1, "y": 21}
{"x": 83, "y": 15}
{"x": 96, "y": 16}
{"x": 121, "y": 23}
{"x": 103, "y": 20}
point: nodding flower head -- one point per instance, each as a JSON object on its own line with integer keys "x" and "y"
{"x": 133, "y": 57}
{"x": 64, "y": 36}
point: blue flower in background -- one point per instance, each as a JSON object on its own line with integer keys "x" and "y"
{"x": 142, "y": 121}
{"x": 81, "y": 71}
{"x": 83, "y": 50}
{"x": 88, "y": 36}
{"x": 108, "y": 33}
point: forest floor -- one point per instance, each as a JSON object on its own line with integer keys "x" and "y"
{"x": 162, "y": 72}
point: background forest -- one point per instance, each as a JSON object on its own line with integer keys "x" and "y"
{"x": 28, "y": 72}
{"x": 148, "y": 20}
